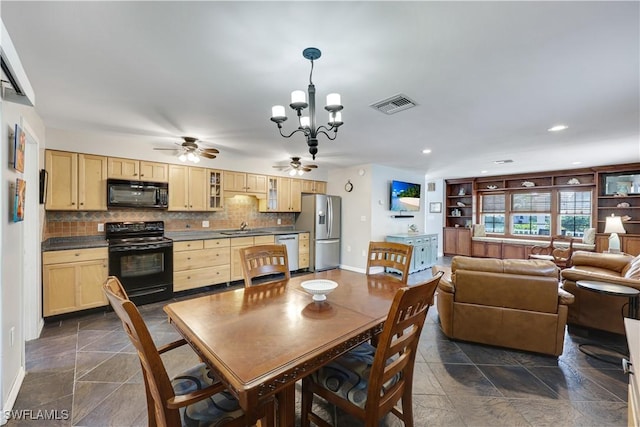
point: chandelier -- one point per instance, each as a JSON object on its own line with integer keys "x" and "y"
{"x": 307, "y": 124}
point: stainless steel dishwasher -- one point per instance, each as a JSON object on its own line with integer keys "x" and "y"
{"x": 291, "y": 242}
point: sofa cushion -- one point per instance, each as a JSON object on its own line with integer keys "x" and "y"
{"x": 614, "y": 262}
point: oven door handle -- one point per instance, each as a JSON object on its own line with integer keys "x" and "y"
{"x": 137, "y": 248}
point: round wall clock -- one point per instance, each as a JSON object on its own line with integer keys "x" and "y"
{"x": 348, "y": 186}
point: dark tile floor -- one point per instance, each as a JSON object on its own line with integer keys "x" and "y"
{"x": 87, "y": 367}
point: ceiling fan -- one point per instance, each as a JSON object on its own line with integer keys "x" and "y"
{"x": 296, "y": 167}
{"x": 189, "y": 150}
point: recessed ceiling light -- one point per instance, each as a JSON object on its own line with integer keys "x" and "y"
{"x": 484, "y": 171}
{"x": 502, "y": 162}
{"x": 576, "y": 163}
{"x": 426, "y": 151}
{"x": 557, "y": 128}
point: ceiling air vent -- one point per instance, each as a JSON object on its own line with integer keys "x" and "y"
{"x": 394, "y": 104}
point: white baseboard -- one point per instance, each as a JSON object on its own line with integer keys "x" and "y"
{"x": 13, "y": 395}
{"x": 356, "y": 269}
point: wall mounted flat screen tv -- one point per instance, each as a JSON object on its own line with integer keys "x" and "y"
{"x": 405, "y": 196}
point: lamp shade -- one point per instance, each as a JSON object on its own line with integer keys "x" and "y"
{"x": 613, "y": 224}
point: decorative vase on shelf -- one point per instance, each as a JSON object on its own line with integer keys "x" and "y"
{"x": 461, "y": 192}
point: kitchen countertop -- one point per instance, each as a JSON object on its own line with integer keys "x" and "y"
{"x": 87, "y": 242}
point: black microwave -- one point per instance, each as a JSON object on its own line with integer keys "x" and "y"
{"x": 137, "y": 194}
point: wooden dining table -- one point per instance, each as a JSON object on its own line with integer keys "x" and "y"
{"x": 261, "y": 340}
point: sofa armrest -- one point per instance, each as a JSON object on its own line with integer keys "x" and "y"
{"x": 564, "y": 297}
{"x": 574, "y": 274}
{"x": 445, "y": 285}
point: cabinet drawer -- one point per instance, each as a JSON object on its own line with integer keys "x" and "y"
{"x": 190, "y": 245}
{"x": 303, "y": 236}
{"x": 217, "y": 243}
{"x": 242, "y": 241}
{"x": 183, "y": 280}
{"x": 303, "y": 246}
{"x": 202, "y": 258}
{"x": 264, "y": 240}
{"x": 74, "y": 255}
{"x": 303, "y": 260}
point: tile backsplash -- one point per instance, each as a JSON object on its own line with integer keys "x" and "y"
{"x": 237, "y": 209}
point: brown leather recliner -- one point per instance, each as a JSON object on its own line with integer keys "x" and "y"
{"x": 596, "y": 310}
{"x": 508, "y": 303}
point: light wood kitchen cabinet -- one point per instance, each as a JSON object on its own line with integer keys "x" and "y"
{"x": 303, "y": 250}
{"x": 72, "y": 280}
{"x": 215, "y": 190}
{"x": 198, "y": 263}
{"x": 238, "y": 243}
{"x": 457, "y": 241}
{"x": 317, "y": 187}
{"x": 75, "y": 181}
{"x": 283, "y": 195}
{"x": 188, "y": 188}
{"x": 138, "y": 170}
{"x": 241, "y": 182}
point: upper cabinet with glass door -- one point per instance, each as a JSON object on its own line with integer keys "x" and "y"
{"x": 216, "y": 195}
{"x": 619, "y": 195}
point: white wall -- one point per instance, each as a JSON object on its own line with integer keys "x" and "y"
{"x": 13, "y": 254}
{"x": 365, "y": 210}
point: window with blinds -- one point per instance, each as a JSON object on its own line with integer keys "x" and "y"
{"x": 531, "y": 214}
{"x": 574, "y": 215}
{"x": 492, "y": 212}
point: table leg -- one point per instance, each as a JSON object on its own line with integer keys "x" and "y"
{"x": 633, "y": 307}
{"x": 287, "y": 406}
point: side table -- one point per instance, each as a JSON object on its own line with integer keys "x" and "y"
{"x": 615, "y": 357}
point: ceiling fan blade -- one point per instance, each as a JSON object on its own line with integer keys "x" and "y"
{"x": 310, "y": 166}
{"x": 210, "y": 150}
{"x": 172, "y": 149}
{"x": 306, "y": 169}
{"x": 208, "y": 155}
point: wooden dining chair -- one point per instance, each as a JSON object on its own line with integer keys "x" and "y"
{"x": 561, "y": 256}
{"x": 264, "y": 260}
{"x": 368, "y": 382}
{"x": 205, "y": 400}
{"x": 390, "y": 255}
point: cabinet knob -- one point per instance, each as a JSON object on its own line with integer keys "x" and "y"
{"x": 135, "y": 174}
{"x": 77, "y": 254}
{"x": 188, "y": 277}
{"x": 189, "y": 259}
{"x": 141, "y": 174}
{"x": 73, "y": 203}
{"x": 81, "y": 203}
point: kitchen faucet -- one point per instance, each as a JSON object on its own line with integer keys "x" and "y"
{"x": 243, "y": 225}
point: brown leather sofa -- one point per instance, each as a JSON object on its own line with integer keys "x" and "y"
{"x": 507, "y": 303}
{"x": 596, "y": 310}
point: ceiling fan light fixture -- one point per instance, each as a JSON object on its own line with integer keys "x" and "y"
{"x": 307, "y": 124}
{"x": 300, "y": 172}
{"x": 182, "y": 157}
{"x": 292, "y": 172}
{"x": 191, "y": 157}
{"x": 196, "y": 159}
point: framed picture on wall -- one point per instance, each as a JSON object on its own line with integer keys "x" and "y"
{"x": 18, "y": 204}
{"x": 435, "y": 207}
{"x": 19, "y": 142}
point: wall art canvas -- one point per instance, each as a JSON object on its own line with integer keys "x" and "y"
{"x": 18, "y": 204}
{"x": 19, "y": 142}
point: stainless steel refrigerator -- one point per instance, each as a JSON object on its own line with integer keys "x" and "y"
{"x": 320, "y": 215}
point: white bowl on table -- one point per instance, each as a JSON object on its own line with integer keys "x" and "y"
{"x": 319, "y": 288}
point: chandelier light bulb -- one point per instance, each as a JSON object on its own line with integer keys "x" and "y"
{"x": 298, "y": 97}
{"x": 333, "y": 101}
{"x": 278, "y": 112}
{"x": 335, "y": 119}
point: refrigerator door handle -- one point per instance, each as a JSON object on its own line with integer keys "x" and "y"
{"x": 329, "y": 217}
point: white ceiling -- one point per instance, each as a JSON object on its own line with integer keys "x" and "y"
{"x": 489, "y": 77}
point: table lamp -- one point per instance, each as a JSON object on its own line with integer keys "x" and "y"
{"x": 614, "y": 226}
